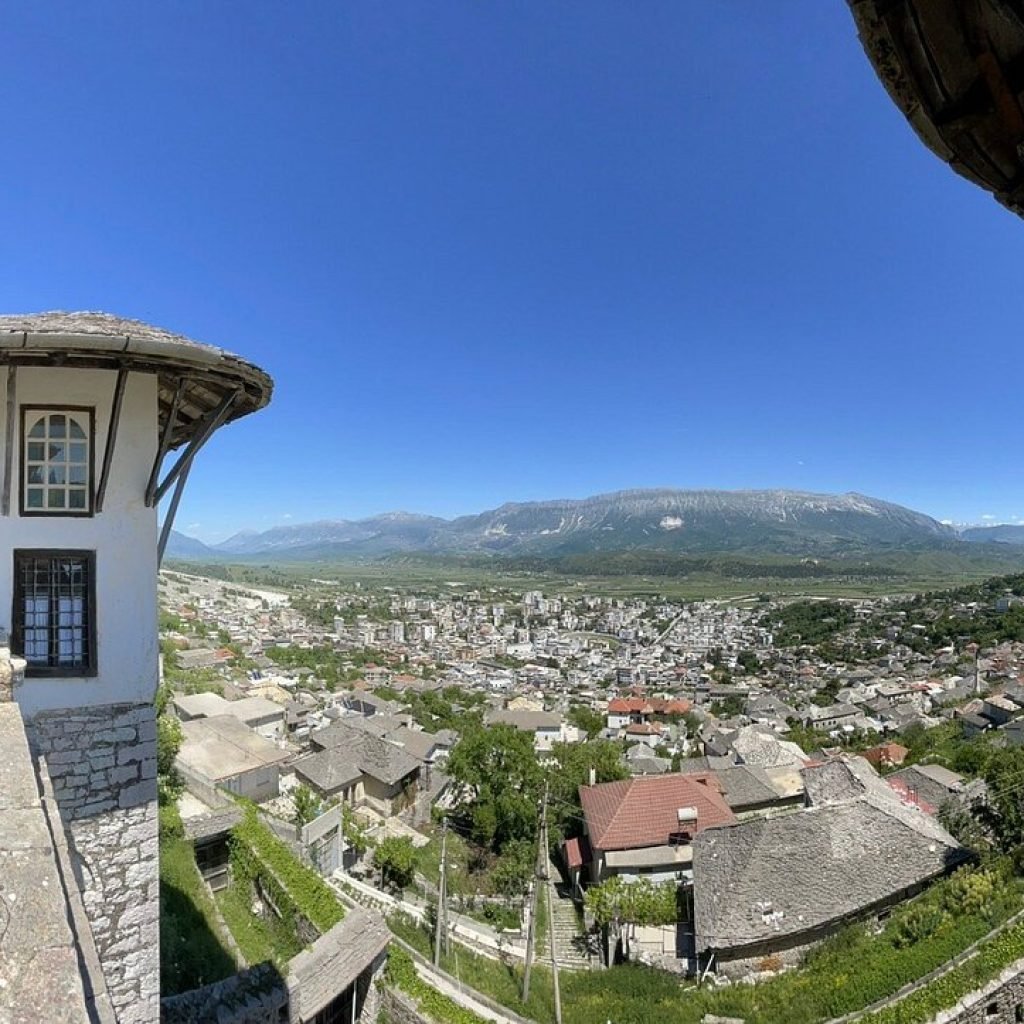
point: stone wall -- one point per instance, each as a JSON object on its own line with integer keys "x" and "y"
{"x": 397, "y": 1008}
{"x": 255, "y": 996}
{"x": 1001, "y": 1001}
{"x": 102, "y": 761}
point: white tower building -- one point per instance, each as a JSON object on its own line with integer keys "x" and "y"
{"x": 91, "y": 407}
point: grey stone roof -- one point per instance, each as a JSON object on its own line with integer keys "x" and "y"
{"x": 375, "y": 757}
{"x": 101, "y": 339}
{"x": 746, "y": 786}
{"x": 757, "y": 746}
{"x": 765, "y": 879}
{"x": 930, "y": 782}
{"x": 216, "y": 823}
{"x": 322, "y": 972}
{"x": 329, "y": 770}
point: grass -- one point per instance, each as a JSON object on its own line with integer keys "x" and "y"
{"x": 192, "y": 950}
{"x": 852, "y": 971}
{"x": 258, "y": 938}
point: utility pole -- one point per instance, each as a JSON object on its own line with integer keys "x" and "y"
{"x": 442, "y": 914}
{"x": 538, "y": 874}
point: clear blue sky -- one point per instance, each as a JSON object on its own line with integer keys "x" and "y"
{"x": 504, "y": 251}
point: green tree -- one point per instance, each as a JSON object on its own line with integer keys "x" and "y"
{"x": 395, "y": 857}
{"x": 307, "y": 805}
{"x": 499, "y": 780}
{"x": 586, "y": 719}
{"x": 573, "y": 764}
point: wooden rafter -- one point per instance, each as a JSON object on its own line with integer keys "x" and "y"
{"x": 12, "y": 404}
{"x": 165, "y": 442}
{"x": 108, "y": 450}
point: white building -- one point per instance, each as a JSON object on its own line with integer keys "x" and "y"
{"x": 91, "y": 406}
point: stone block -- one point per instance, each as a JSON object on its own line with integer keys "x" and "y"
{"x": 141, "y": 793}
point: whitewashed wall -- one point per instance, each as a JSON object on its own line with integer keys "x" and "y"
{"x": 123, "y": 536}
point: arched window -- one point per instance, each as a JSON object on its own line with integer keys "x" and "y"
{"x": 57, "y": 462}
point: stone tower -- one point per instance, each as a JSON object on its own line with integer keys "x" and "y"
{"x": 92, "y": 407}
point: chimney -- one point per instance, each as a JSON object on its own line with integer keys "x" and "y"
{"x": 593, "y": 776}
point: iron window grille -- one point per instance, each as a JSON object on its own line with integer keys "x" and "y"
{"x": 57, "y": 461}
{"x": 54, "y": 620}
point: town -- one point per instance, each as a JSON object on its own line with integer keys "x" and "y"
{"x": 454, "y": 756}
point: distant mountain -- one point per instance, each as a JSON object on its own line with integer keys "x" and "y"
{"x": 1004, "y": 533}
{"x": 745, "y": 522}
{"x": 187, "y": 548}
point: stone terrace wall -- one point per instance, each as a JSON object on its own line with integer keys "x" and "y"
{"x": 397, "y": 1008}
{"x": 1001, "y": 1001}
{"x": 256, "y": 996}
{"x": 102, "y": 762}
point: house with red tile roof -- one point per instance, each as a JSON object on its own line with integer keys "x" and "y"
{"x": 623, "y": 711}
{"x": 645, "y": 826}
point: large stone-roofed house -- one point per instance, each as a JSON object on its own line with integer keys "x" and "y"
{"x": 773, "y": 886}
{"x": 360, "y": 768}
{"x": 646, "y": 826}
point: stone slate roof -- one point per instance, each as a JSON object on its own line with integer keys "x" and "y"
{"x": 329, "y": 770}
{"x": 319, "y": 974}
{"x": 754, "y": 745}
{"x": 642, "y": 812}
{"x": 928, "y": 783}
{"x": 525, "y": 721}
{"x": 375, "y": 757}
{"x": 746, "y": 786}
{"x": 766, "y": 879}
{"x": 101, "y": 339}
{"x": 216, "y": 823}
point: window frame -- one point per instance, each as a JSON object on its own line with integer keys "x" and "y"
{"x": 35, "y": 670}
{"x": 90, "y": 488}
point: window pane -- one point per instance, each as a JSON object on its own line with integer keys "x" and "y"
{"x": 34, "y": 497}
{"x": 56, "y": 453}
{"x": 37, "y": 451}
{"x": 57, "y": 425}
{"x": 76, "y": 474}
{"x": 76, "y": 497}
{"x": 38, "y": 428}
{"x": 35, "y": 474}
{"x": 55, "y": 499}
{"x": 76, "y": 453}
{"x": 74, "y": 430}
{"x": 56, "y": 475}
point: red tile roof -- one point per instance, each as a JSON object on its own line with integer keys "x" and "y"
{"x": 629, "y": 705}
{"x": 643, "y": 811}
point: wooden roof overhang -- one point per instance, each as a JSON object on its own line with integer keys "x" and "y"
{"x": 199, "y": 387}
{"x": 955, "y": 68}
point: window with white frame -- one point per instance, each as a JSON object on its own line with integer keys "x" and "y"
{"x": 54, "y": 620}
{"x": 57, "y": 461}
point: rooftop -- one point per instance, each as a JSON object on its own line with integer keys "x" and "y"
{"x": 206, "y": 375}
{"x": 645, "y": 811}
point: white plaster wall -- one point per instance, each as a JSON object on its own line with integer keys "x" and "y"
{"x": 123, "y": 536}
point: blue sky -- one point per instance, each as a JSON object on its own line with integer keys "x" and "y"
{"x": 523, "y": 250}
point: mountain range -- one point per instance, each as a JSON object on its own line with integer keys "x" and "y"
{"x": 779, "y": 522}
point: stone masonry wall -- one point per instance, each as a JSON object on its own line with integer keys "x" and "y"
{"x": 102, "y": 762}
{"x": 1001, "y": 1001}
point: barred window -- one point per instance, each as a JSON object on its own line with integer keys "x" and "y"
{"x": 56, "y": 462}
{"x": 53, "y": 624}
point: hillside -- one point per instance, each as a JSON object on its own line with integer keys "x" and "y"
{"x": 779, "y": 523}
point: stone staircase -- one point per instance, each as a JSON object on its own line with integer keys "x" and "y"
{"x": 570, "y": 942}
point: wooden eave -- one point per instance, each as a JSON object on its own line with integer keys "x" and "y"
{"x": 955, "y": 69}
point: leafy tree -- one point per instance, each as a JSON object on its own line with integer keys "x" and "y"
{"x": 573, "y": 762}
{"x": 396, "y": 859}
{"x": 615, "y": 904}
{"x": 511, "y": 875}
{"x": 499, "y": 778}
{"x": 1004, "y": 811}
{"x": 586, "y": 719}
{"x": 169, "y": 738}
{"x": 307, "y": 805}
{"x": 356, "y": 835}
